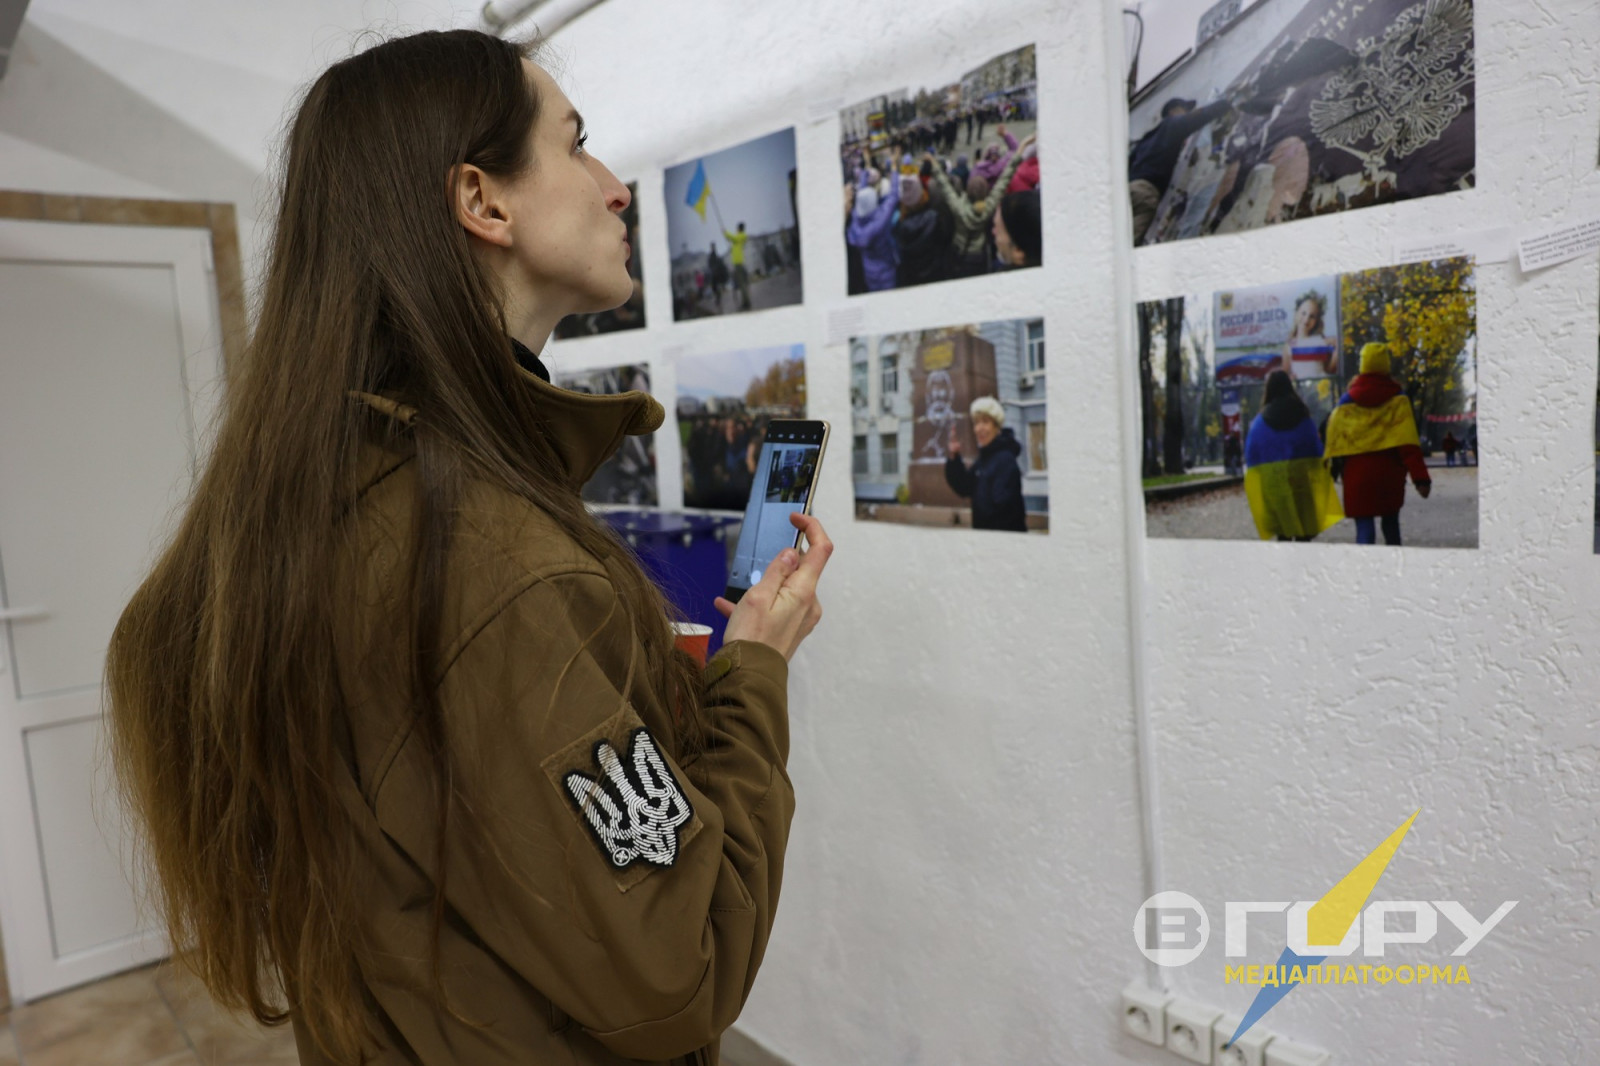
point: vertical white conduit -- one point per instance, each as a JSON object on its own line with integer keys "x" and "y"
{"x": 1125, "y": 291}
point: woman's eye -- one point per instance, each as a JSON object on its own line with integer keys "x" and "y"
{"x": 581, "y": 142}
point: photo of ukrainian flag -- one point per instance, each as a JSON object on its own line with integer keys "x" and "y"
{"x": 732, "y": 228}
{"x": 699, "y": 190}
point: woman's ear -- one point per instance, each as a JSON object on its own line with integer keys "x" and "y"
{"x": 476, "y": 206}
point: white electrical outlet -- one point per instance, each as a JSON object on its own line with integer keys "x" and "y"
{"x": 1282, "y": 1052}
{"x": 1189, "y": 1029}
{"x": 1144, "y": 1014}
{"x": 1249, "y": 1051}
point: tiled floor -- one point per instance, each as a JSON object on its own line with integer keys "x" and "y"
{"x": 155, "y": 1016}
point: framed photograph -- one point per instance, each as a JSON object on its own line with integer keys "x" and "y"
{"x": 1247, "y": 113}
{"x": 1334, "y": 409}
{"x": 948, "y": 427}
{"x": 942, "y": 182}
{"x": 725, "y": 401}
{"x": 731, "y": 225}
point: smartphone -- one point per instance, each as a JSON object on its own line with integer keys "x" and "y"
{"x": 784, "y": 483}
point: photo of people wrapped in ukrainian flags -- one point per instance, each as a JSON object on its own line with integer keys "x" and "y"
{"x": 1334, "y": 409}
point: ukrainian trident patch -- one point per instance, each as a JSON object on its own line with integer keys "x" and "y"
{"x": 634, "y": 807}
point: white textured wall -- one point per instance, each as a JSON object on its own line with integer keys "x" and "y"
{"x": 967, "y": 855}
{"x": 966, "y": 858}
{"x": 1307, "y": 699}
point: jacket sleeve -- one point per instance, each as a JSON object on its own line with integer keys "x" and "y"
{"x": 1184, "y": 125}
{"x": 997, "y": 190}
{"x": 959, "y": 204}
{"x": 960, "y": 479}
{"x": 637, "y": 899}
{"x": 1416, "y": 466}
{"x": 1008, "y": 487}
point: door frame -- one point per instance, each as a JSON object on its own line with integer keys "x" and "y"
{"x": 219, "y": 218}
{"x": 228, "y": 277}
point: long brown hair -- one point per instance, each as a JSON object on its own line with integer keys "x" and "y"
{"x": 227, "y": 722}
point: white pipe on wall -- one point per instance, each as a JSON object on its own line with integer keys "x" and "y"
{"x": 1123, "y": 285}
{"x": 500, "y": 15}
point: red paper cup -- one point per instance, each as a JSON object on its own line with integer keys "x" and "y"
{"x": 694, "y": 639}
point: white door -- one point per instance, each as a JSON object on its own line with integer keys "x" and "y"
{"x": 110, "y": 370}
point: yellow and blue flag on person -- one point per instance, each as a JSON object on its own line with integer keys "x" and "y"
{"x": 1290, "y": 491}
{"x": 699, "y": 190}
{"x": 1353, "y": 429}
{"x": 1374, "y": 415}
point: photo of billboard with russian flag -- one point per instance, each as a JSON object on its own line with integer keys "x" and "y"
{"x": 1291, "y": 326}
{"x": 1341, "y": 409}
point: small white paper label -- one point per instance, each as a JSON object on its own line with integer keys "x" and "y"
{"x": 844, "y": 323}
{"x": 826, "y": 108}
{"x": 1485, "y": 246}
{"x": 1564, "y": 242}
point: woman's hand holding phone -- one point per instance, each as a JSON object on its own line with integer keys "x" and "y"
{"x": 782, "y": 608}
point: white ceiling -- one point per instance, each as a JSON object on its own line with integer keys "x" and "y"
{"x": 285, "y": 40}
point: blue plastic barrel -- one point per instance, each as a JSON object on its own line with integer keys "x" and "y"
{"x": 686, "y": 555}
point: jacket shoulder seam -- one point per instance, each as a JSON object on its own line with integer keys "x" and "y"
{"x": 458, "y": 646}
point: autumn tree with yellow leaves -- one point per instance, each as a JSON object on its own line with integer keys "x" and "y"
{"x": 783, "y": 385}
{"x": 1428, "y": 315}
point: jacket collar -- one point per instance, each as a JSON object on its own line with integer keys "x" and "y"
{"x": 584, "y": 430}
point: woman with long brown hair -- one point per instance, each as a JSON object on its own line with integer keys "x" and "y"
{"x": 417, "y": 765}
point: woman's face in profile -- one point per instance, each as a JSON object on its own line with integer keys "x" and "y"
{"x": 568, "y": 237}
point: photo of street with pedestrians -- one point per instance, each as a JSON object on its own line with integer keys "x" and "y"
{"x": 732, "y": 229}
{"x": 948, "y": 427}
{"x": 1335, "y": 409}
{"x": 943, "y": 182}
{"x": 1248, "y": 113}
{"x": 629, "y": 476}
{"x": 725, "y": 401}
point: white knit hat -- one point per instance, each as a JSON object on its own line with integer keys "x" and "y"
{"x": 990, "y": 408}
{"x": 866, "y": 202}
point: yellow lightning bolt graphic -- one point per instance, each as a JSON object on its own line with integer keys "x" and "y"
{"x": 1331, "y": 917}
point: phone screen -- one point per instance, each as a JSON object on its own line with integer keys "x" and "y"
{"x": 786, "y": 474}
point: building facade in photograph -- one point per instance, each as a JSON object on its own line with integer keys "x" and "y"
{"x": 885, "y": 445}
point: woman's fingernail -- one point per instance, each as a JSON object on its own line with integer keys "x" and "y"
{"x": 789, "y": 557}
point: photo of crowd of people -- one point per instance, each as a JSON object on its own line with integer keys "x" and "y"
{"x": 725, "y": 401}
{"x": 631, "y": 314}
{"x": 732, "y": 229}
{"x": 629, "y": 476}
{"x": 1255, "y": 112}
{"x": 943, "y": 182}
{"x": 1315, "y": 409}
{"x": 948, "y": 427}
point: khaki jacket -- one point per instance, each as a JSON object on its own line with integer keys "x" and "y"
{"x": 619, "y": 901}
